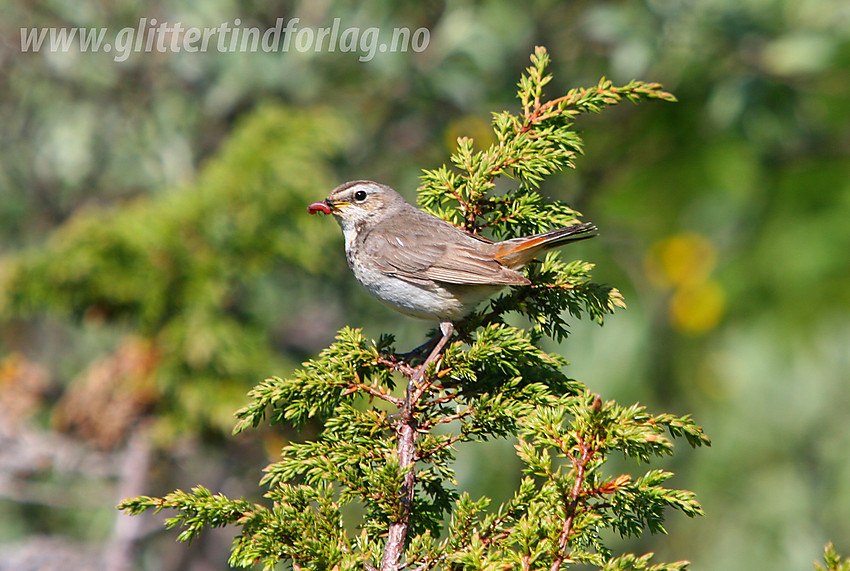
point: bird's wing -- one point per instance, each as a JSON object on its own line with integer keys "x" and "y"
{"x": 417, "y": 254}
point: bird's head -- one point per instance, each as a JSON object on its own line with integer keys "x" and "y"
{"x": 359, "y": 201}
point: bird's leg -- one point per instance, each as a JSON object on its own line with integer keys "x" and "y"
{"x": 447, "y": 328}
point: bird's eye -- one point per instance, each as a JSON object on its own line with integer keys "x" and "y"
{"x": 360, "y": 195}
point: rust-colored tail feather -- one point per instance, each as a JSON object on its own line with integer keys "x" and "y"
{"x": 517, "y": 252}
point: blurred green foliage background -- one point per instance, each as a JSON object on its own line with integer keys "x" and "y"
{"x": 156, "y": 258}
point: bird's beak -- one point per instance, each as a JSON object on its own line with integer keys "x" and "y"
{"x": 324, "y": 207}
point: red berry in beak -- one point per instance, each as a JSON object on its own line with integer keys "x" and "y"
{"x": 317, "y": 207}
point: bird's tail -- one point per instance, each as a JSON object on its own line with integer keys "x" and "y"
{"x": 517, "y": 252}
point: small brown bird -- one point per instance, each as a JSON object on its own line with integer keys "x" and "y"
{"x": 421, "y": 265}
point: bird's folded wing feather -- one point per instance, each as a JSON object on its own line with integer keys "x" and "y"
{"x": 417, "y": 256}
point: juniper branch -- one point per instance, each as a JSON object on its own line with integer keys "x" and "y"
{"x": 406, "y": 432}
{"x": 493, "y": 380}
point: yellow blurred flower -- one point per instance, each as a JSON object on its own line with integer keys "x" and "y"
{"x": 697, "y": 308}
{"x": 684, "y": 263}
{"x": 681, "y": 260}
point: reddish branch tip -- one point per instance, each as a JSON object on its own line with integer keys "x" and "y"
{"x": 317, "y": 207}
